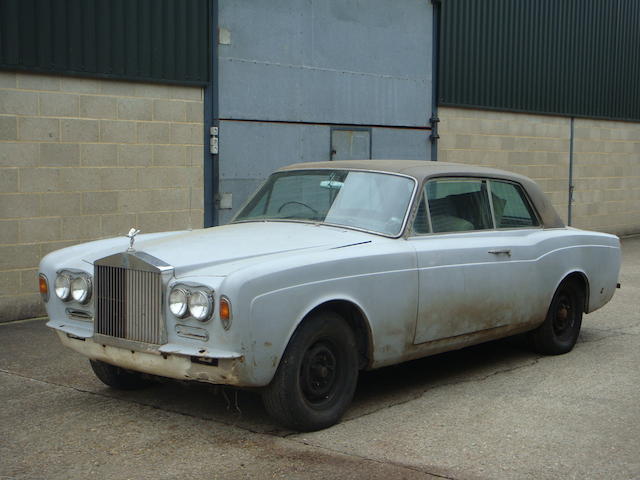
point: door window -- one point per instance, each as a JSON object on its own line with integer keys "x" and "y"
{"x": 457, "y": 205}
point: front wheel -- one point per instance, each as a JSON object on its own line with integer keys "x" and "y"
{"x": 118, "y": 378}
{"x": 559, "y": 332}
{"x": 317, "y": 375}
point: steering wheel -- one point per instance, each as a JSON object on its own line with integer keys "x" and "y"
{"x": 298, "y": 203}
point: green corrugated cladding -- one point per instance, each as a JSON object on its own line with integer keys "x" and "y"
{"x": 150, "y": 40}
{"x": 567, "y": 57}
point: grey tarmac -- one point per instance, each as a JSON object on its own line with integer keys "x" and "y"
{"x": 494, "y": 411}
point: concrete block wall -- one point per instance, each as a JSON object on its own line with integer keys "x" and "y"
{"x": 606, "y": 163}
{"x": 607, "y": 176}
{"x": 82, "y": 159}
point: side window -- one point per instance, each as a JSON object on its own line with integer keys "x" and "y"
{"x": 457, "y": 205}
{"x": 510, "y": 207}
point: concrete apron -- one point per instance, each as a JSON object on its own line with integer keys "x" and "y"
{"x": 492, "y": 411}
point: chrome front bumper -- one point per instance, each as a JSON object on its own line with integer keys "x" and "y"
{"x": 180, "y": 362}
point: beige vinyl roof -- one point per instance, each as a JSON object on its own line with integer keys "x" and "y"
{"x": 423, "y": 169}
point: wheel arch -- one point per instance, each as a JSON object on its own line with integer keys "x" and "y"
{"x": 579, "y": 277}
{"x": 356, "y": 319}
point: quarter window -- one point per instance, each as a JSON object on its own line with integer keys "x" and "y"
{"x": 510, "y": 207}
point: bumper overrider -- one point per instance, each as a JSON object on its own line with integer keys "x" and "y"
{"x": 129, "y": 328}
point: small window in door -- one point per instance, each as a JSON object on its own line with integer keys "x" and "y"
{"x": 510, "y": 206}
{"x": 457, "y": 205}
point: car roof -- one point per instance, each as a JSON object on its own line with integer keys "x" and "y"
{"x": 415, "y": 168}
{"x": 423, "y": 169}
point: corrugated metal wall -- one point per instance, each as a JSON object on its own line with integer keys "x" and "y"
{"x": 569, "y": 57}
{"x": 154, "y": 40}
{"x": 299, "y": 79}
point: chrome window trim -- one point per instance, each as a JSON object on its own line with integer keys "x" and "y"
{"x": 493, "y": 212}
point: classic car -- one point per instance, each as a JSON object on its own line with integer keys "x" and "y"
{"x": 328, "y": 269}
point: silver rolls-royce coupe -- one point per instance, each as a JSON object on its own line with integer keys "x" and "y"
{"x": 331, "y": 268}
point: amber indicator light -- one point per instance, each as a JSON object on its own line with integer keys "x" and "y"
{"x": 43, "y": 286}
{"x": 225, "y": 312}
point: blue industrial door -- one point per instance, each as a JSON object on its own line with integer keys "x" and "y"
{"x": 315, "y": 80}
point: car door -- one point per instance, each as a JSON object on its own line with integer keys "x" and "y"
{"x": 473, "y": 265}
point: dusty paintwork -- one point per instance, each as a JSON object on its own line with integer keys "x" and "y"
{"x": 412, "y": 296}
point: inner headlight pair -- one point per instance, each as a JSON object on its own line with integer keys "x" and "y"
{"x": 195, "y": 301}
{"x": 73, "y": 286}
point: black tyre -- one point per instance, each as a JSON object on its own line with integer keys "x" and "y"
{"x": 117, "y": 377}
{"x": 317, "y": 375}
{"x": 559, "y": 332}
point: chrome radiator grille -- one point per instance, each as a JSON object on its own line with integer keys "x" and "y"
{"x": 129, "y": 304}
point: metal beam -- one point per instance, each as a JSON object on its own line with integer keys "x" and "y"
{"x": 210, "y": 166}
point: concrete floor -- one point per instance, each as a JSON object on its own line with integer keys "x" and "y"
{"x": 495, "y": 411}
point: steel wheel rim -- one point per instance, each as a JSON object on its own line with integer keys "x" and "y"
{"x": 564, "y": 317}
{"x": 319, "y": 373}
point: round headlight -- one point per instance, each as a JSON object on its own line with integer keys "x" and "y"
{"x": 81, "y": 289}
{"x": 200, "y": 305}
{"x": 178, "y": 302}
{"x": 62, "y": 286}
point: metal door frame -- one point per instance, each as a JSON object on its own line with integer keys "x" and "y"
{"x": 353, "y": 129}
{"x": 211, "y": 119}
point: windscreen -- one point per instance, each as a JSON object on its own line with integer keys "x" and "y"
{"x": 370, "y": 201}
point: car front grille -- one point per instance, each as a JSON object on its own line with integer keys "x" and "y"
{"x": 129, "y": 302}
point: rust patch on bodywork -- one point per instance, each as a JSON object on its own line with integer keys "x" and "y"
{"x": 433, "y": 347}
{"x": 225, "y": 373}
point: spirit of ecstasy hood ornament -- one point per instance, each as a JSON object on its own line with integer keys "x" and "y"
{"x": 132, "y": 238}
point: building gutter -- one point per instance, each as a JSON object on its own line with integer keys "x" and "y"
{"x": 571, "y": 186}
{"x": 211, "y": 157}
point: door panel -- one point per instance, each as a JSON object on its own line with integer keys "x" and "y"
{"x": 464, "y": 288}
{"x": 474, "y": 277}
{"x": 350, "y": 144}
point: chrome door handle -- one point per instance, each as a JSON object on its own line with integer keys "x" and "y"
{"x": 499, "y": 252}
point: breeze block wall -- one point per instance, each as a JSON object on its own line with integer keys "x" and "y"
{"x": 533, "y": 145}
{"x": 606, "y": 160}
{"x": 606, "y": 175}
{"x": 83, "y": 159}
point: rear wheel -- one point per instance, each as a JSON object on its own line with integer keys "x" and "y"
{"x": 117, "y": 377}
{"x": 317, "y": 375}
{"x": 559, "y": 332}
